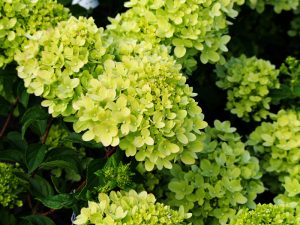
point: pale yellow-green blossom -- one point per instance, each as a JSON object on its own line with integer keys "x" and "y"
{"x": 248, "y": 82}
{"x": 19, "y": 19}
{"x": 129, "y": 208}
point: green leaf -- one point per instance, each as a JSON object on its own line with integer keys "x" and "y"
{"x": 7, "y": 218}
{"x": 5, "y": 107}
{"x": 58, "y": 201}
{"x": 40, "y": 187}
{"x": 15, "y": 139}
{"x": 296, "y": 91}
{"x": 23, "y": 95}
{"x": 63, "y": 163}
{"x": 32, "y": 115}
{"x": 92, "y": 179}
{"x": 34, "y": 156}
{"x": 38, "y": 220}
{"x": 12, "y": 155}
{"x": 77, "y": 138}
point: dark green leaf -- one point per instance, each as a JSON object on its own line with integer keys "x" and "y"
{"x": 12, "y": 155}
{"x": 38, "y": 220}
{"x": 65, "y": 2}
{"x": 7, "y": 218}
{"x": 58, "y": 201}
{"x": 92, "y": 179}
{"x": 23, "y": 95}
{"x": 5, "y": 107}
{"x": 15, "y": 139}
{"x": 296, "y": 91}
{"x": 39, "y": 127}
{"x": 63, "y": 163}
{"x": 35, "y": 155}
{"x": 40, "y": 187}
{"x": 59, "y": 153}
{"x": 76, "y": 138}
{"x": 32, "y": 115}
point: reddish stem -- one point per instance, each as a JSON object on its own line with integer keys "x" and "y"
{"x": 9, "y": 117}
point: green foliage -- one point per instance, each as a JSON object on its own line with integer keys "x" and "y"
{"x": 279, "y": 5}
{"x": 114, "y": 175}
{"x": 225, "y": 178}
{"x": 289, "y": 91}
{"x": 277, "y": 145}
{"x": 248, "y": 82}
{"x": 10, "y": 185}
{"x": 266, "y": 214}
{"x": 129, "y": 208}
{"x": 22, "y": 18}
{"x": 186, "y": 25}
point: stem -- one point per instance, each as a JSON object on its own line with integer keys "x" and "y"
{"x": 9, "y": 117}
{"x": 49, "y": 212}
{"x": 45, "y": 136}
{"x": 110, "y": 150}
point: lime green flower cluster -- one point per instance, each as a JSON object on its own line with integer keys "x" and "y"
{"x": 10, "y": 186}
{"x": 58, "y": 63}
{"x": 129, "y": 208}
{"x": 266, "y": 214}
{"x": 225, "y": 178}
{"x": 143, "y": 104}
{"x": 277, "y": 145}
{"x": 248, "y": 82}
{"x": 186, "y": 25}
{"x": 19, "y": 19}
{"x": 279, "y": 5}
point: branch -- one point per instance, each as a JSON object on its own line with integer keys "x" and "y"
{"x": 45, "y": 136}
{"x": 9, "y": 117}
{"x": 110, "y": 150}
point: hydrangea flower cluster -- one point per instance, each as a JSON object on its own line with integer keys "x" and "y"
{"x": 225, "y": 178}
{"x": 248, "y": 82}
{"x": 58, "y": 63}
{"x": 277, "y": 145}
{"x": 119, "y": 92}
{"x": 129, "y": 208}
{"x": 142, "y": 104}
{"x": 266, "y": 214}
{"x": 186, "y": 25}
{"x": 19, "y": 19}
{"x": 10, "y": 186}
{"x": 279, "y": 6}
